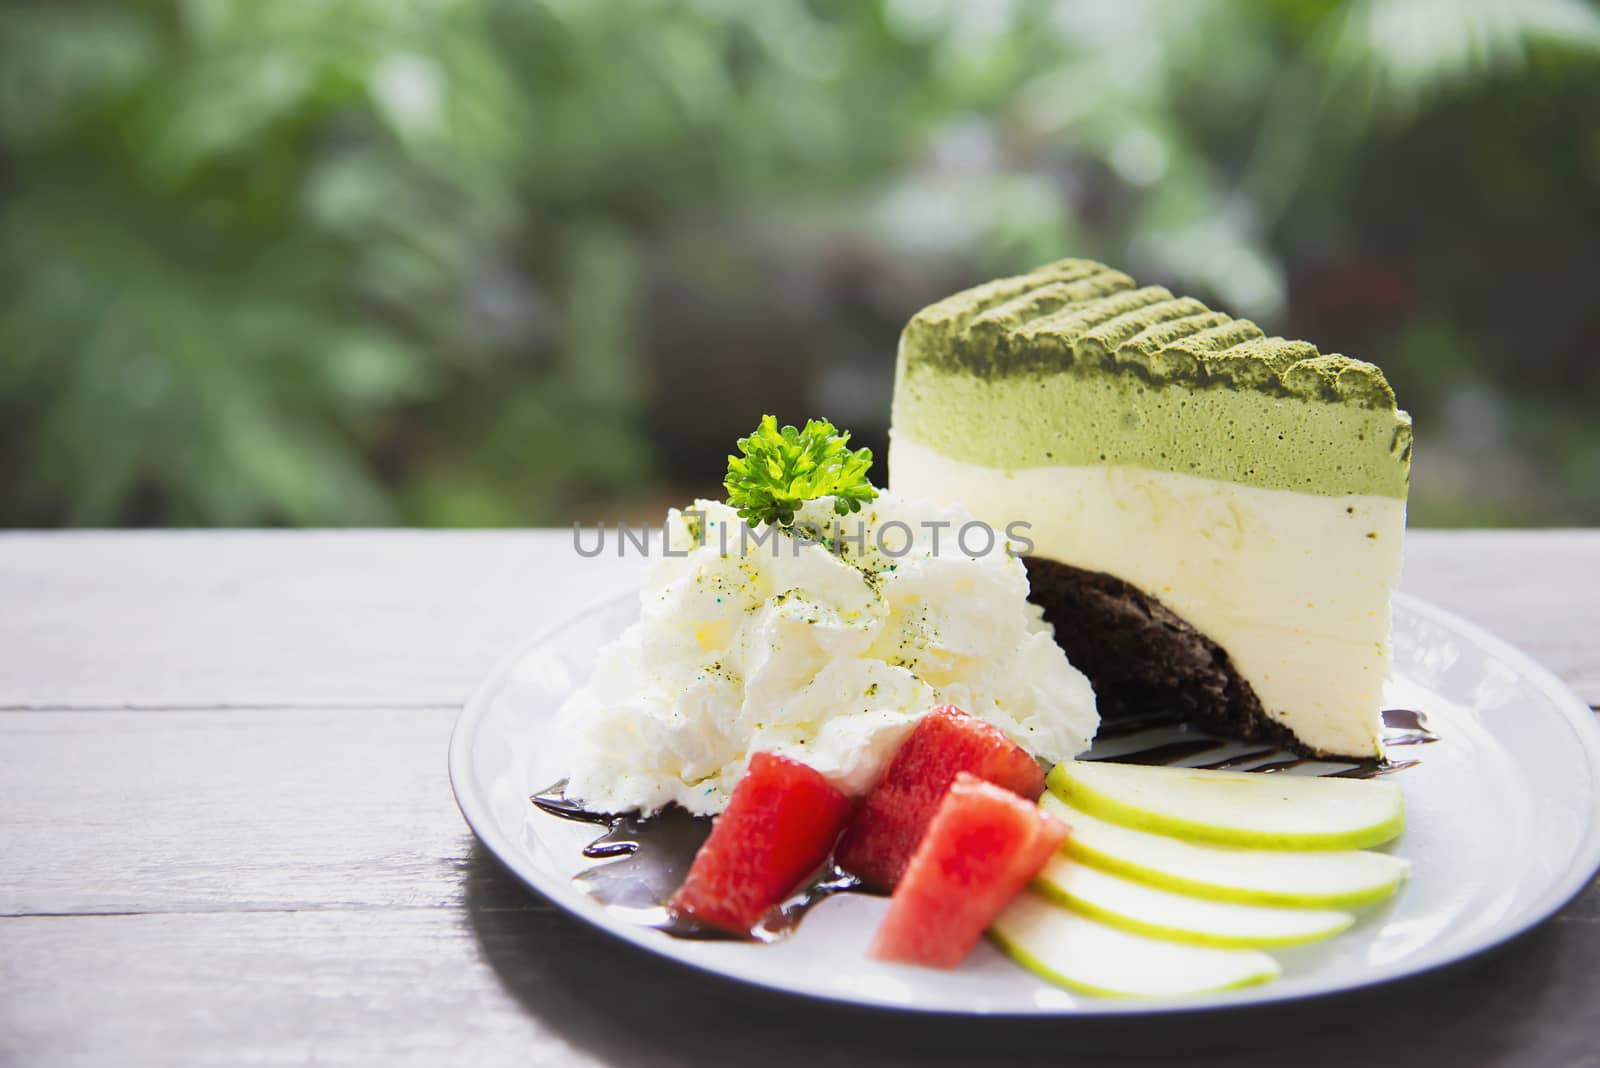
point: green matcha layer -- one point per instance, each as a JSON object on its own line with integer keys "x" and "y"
{"x": 1076, "y": 364}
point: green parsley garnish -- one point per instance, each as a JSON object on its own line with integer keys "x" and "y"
{"x": 782, "y": 469}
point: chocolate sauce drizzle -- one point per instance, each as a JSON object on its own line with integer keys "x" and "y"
{"x": 1173, "y": 741}
{"x": 644, "y": 859}
{"x": 647, "y": 858}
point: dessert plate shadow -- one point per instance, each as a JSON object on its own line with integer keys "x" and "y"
{"x": 1503, "y": 828}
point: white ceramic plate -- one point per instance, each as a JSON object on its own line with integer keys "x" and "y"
{"x": 1503, "y": 828}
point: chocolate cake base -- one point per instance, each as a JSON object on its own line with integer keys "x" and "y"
{"x": 1143, "y": 659}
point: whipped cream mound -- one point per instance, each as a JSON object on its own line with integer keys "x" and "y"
{"x": 750, "y": 639}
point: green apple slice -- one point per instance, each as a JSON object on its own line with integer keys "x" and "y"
{"x": 1314, "y": 879}
{"x": 1235, "y": 808}
{"x": 1148, "y": 910}
{"x": 1083, "y": 955}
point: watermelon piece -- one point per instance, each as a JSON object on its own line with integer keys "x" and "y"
{"x": 983, "y": 846}
{"x": 878, "y": 844}
{"x": 779, "y": 825}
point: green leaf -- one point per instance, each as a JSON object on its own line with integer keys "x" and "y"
{"x": 782, "y": 469}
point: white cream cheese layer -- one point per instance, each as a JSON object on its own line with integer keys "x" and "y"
{"x": 1294, "y": 586}
{"x": 750, "y": 641}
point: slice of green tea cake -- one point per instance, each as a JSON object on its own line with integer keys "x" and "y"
{"x": 1216, "y": 516}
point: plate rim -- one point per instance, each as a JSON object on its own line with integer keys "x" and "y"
{"x": 477, "y": 813}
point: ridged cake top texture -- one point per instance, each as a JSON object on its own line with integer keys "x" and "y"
{"x": 1082, "y": 315}
{"x": 1077, "y": 364}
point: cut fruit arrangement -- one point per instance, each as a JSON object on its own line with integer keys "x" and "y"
{"x": 1145, "y": 881}
{"x": 1174, "y": 880}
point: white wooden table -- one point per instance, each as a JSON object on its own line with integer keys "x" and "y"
{"x": 227, "y": 835}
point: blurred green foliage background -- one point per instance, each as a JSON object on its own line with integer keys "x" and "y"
{"x": 483, "y": 262}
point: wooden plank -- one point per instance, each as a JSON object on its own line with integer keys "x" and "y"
{"x": 1538, "y": 589}
{"x": 389, "y": 618}
{"x": 489, "y": 986}
{"x": 199, "y": 810}
{"x": 163, "y": 619}
{"x": 402, "y": 987}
